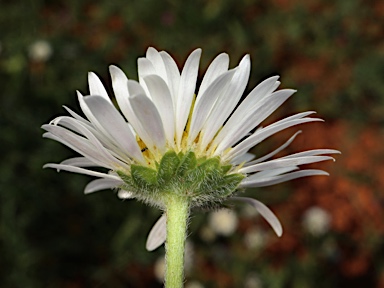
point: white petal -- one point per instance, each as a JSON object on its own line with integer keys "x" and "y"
{"x": 262, "y": 134}
{"x": 102, "y": 184}
{"x": 262, "y": 175}
{"x": 205, "y": 102}
{"x": 264, "y": 211}
{"x": 249, "y": 105}
{"x": 274, "y": 87}
{"x": 80, "y": 171}
{"x": 280, "y": 163}
{"x": 87, "y": 112}
{"x": 134, "y": 88}
{"x": 243, "y": 158}
{"x": 150, "y": 120}
{"x": 157, "y": 61}
{"x": 268, "y": 181}
{"x": 218, "y": 66}
{"x": 96, "y": 87}
{"x": 80, "y": 127}
{"x": 123, "y": 100}
{"x": 97, "y": 139}
{"x": 120, "y": 88}
{"x": 116, "y": 127}
{"x": 158, "y": 234}
{"x": 145, "y": 68}
{"x": 173, "y": 76}
{"x": 186, "y": 91}
{"x": 78, "y": 117}
{"x": 274, "y": 152}
{"x": 79, "y": 162}
{"x": 232, "y": 131}
{"x": 258, "y": 93}
{"x": 80, "y": 145}
{"x": 312, "y": 153}
{"x": 162, "y": 98}
{"x": 97, "y": 142}
{"x": 226, "y": 102}
{"x": 88, "y": 125}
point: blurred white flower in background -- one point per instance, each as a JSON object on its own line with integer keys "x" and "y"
{"x": 316, "y": 221}
{"x": 253, "y": 281}
{"x": 40, "y": 51}
{"x": 223, "y": 222}
{"x": 255, "y": 238}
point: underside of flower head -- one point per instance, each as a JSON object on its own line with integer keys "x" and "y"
{"x": 203, "y": 181}
{"x": 169, "y": 139}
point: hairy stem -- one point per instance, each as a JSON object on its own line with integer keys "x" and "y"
{"x": 177, "y": 211}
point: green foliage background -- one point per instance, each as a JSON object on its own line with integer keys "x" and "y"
{"x": 51, "y": 235}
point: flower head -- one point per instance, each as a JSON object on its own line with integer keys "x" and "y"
{"x": 170, "y": 142}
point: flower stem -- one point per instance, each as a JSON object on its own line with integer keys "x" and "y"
{"x": 177, "y": 211}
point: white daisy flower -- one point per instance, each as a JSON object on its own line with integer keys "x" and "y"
{"x": 167, "y": 140}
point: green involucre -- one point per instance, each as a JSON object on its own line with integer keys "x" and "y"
{"x": 202, "y": 181}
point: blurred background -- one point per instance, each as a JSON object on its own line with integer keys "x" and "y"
{"x": 51, "y": 235}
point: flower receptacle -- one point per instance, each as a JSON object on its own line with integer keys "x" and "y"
{"x": 202, "y": 181}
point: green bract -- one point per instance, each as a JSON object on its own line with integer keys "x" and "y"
{"x": 203, "y": 181}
